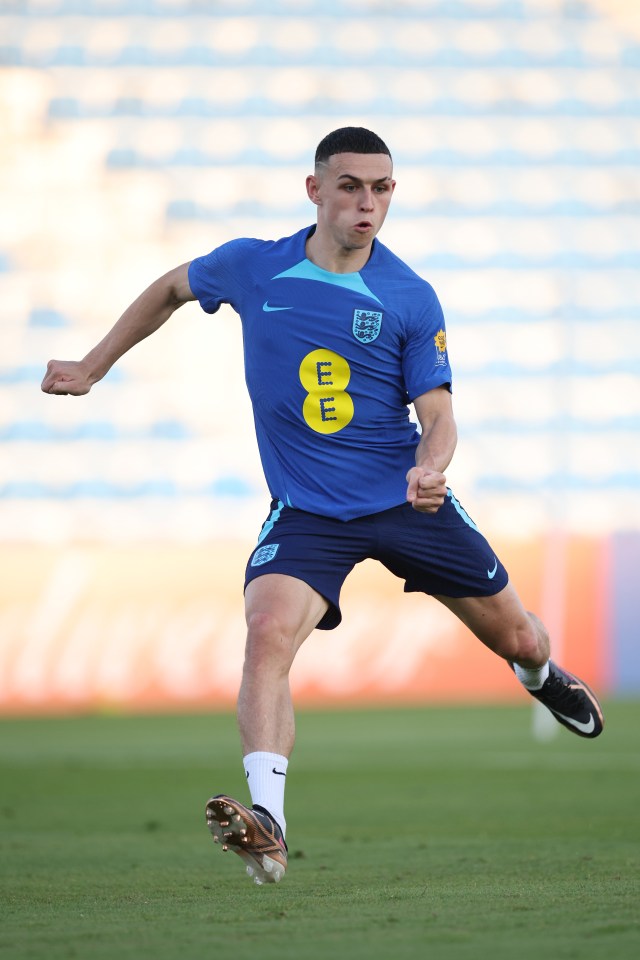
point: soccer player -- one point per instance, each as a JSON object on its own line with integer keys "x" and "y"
{"x": 339, "y": 337}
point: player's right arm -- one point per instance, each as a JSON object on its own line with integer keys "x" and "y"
{"x": 145, "y": 315}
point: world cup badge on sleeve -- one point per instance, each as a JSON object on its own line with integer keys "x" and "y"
{"x": 440, "y": 341}
{"x": 366, "y": 325}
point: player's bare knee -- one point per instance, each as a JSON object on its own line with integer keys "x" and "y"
{"x": 267, "y": 642}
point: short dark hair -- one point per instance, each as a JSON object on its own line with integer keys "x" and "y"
{"x": 350, "y": 140}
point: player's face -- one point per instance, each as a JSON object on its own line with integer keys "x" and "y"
{"x": 352, "y": 192}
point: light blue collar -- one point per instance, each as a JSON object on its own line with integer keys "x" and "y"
{"x": 306, "y": 270}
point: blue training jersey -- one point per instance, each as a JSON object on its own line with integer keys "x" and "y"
{"x": 331, "y": 362}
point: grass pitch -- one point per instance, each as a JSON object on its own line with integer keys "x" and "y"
{"x": 447, "y": 833}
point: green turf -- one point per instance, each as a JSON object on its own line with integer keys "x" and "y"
{"x": 440, "y": 833}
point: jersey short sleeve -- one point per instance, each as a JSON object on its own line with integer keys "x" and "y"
{"x": 425, "y": 360}
{"x": 216, "y": 278}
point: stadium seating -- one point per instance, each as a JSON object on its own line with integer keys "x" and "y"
{"x": 140, "y": 134}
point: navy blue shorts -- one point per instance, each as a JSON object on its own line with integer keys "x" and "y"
{"x": 435, "y": 553}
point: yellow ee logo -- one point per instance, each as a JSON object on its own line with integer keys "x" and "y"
{"x": 325, "y": 376}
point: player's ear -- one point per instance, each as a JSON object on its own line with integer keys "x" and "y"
{"x": 313, "y": 191}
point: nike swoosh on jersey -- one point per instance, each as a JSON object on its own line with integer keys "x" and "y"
{"x": 491, "y": 573}
{"x": 584, "y": 727}
{"x": 268, "y": 309}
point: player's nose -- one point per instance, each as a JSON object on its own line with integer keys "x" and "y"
{"x": 366, "y": 200}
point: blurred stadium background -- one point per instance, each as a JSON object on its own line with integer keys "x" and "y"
{"x": 137, "y": 134}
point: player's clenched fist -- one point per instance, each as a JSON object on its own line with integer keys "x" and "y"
{"x": 66, "y": 377}
{"x": 426, "y": 489}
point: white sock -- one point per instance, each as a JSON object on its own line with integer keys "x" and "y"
{"x": 266, "y": 777}
{"x": 532, "y": 677}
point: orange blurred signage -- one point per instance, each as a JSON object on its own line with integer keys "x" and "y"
{"x": 162, "y": 627}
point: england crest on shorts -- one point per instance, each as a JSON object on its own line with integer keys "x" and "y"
{"x": 366, "y": 325}
{"x": 264, "y": 554}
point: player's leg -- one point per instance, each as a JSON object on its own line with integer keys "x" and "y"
{"x": 292, "y": 584}
{"x": 445, "y": 555}
{"x": 281, "y": 611}
{"x": 502, "y": 624}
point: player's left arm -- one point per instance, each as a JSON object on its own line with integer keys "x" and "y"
{"x": 426, "y": 482}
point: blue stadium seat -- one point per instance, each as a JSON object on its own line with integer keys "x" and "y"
{"x": 47, "y": 317}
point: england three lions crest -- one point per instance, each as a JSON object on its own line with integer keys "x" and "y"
{"x": 366, "y": 325}
{"x": 264, "y": 554}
